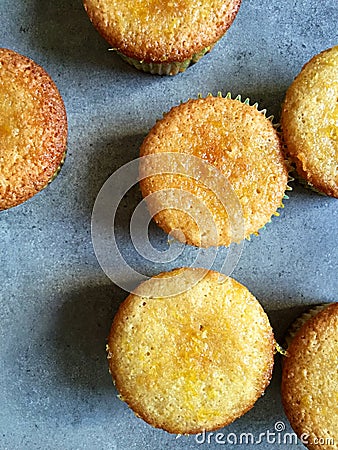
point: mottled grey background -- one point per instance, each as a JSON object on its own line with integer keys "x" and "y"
{"x": 56, "y": 303}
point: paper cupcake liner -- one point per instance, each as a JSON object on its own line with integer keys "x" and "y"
{"x": 305, "y": 183}
{"x": 301, "y": 320}
{"x": 172, "y": 68}
{"x": 280, "y": 349}
{"x": 293, "y": 169}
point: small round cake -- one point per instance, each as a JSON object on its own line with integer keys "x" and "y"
{"x": 159, "y": 36}
{"x": 310, "y": 380}
{"x": 310, "y": 122}
{"x": 33, "y": 129}
{"x": 238, "y": 173}
{"x": 193, "y": 361}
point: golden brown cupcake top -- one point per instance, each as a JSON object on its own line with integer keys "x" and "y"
{"x": 33, "y": 128}
{"x": 310, "y": 122}
{"x": 236, "y": 139}
{"x": 196, "y": 360}
{"x": 310, "y": 380}
{"x": 161, "y": 30}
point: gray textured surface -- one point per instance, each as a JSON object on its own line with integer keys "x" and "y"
{"x": 56, "y": 303}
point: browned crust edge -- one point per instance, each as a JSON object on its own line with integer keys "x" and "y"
{"x": 128, "y": 399}
{"x": 58, "y": 124}
{"x": 291, "y": 150}
{"x": 312, "y": 180}
{"x": 317, "y": 321}
{"x": 155, "y": 56}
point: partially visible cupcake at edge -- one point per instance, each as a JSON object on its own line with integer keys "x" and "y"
{"x": 310, "y": 122}
{"x": 238, "y": 174}
{"x": 310, "y": 378}
{"x": 159, "y": 36}
{"x": 33, "y": 129}
{"x": 193, "y": 361}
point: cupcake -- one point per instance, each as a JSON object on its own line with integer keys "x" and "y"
{"x": 237, "y": 177}
{"x": 33, "y": 129}
{"x": 162, "y": 37}
{"x": 310, "y": 122}
{"x": 310, "y": 379}
{"x": 193, "y": 361}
